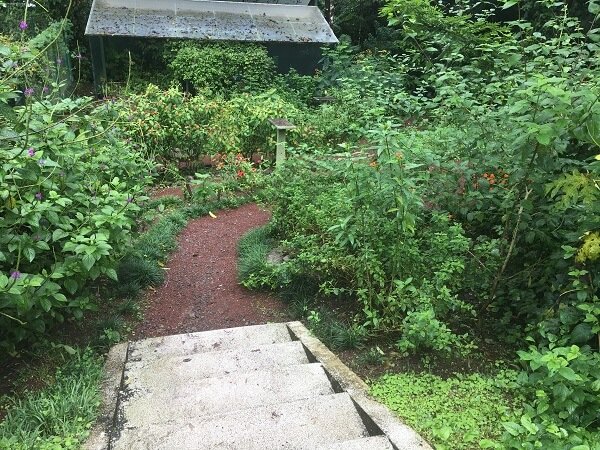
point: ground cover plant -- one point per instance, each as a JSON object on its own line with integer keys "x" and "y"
{"x": 60, "y": 416}
{"x": 461, "y": 412}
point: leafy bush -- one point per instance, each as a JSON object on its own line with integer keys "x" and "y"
{"x": 68, "y": 191}
{"x": 561, "y": 414}
{"x": 175, "y": 127}
{"x": 223, "y": 68}
{"x": 353, "y": 226}
{"x": 513, "y": 138}
{"x": 33, "y": 65}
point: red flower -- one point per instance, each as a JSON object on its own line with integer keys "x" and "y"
{"x": 240, "y": 173}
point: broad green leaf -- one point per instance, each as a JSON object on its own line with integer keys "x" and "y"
{"x": 88, "y": 261}
{"x": 569, "y": 374}
{"x": 513, "y": 428}
{"x": 112, "y": 274}
{"x": 71, "y": 285}
{"x": 45, "y": 303}
{"x": 29, "y": 253}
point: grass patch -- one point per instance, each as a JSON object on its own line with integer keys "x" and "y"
{"x": 141, "y": 266}
{"x": 58, "y": 416}
{"x": 253, "y": 249}
{"x": 335, "y": 333}
{"x": 463, "y": 412}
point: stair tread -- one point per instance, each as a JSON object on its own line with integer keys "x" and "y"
{"x": 367, "y": 443}
{"x": 209, "y": 341}
{"x": 179, "y": 369}
{"x": 299, "y": 425}
{"x": 218, "y": 395}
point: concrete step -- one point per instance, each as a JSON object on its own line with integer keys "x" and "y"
{"x": 303, "y": 424}
{"x": 184, "y": 369}
{"x": 209, "y": 341}
{"x": 368, "y": 443}
{"x": 212, "y": 396}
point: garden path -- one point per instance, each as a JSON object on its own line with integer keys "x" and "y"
{"x": 201, "y": 291}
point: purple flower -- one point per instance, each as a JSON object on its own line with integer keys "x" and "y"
{"x": 129, "y": 199}
{"x": 42, "y": 162}
{"x": 39, "y": 196}
{"x": 28, "y": 92}
{"x": 59, "y": 61}
{"x": 45, "y": 89}
{"x": 31, "y": 151}
{"x": 15, "y": 274}
{"x": 23, "y": 25}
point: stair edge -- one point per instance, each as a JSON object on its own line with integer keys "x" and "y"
{"x": 379, "y": 420}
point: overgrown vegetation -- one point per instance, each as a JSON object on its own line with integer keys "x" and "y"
{"x": 222, "y": 69}
{"x": 467, "y": 199}
{"x": 60, "y": 415}
{"x": 447, "y": 198}
{"x": 69, "y": 188}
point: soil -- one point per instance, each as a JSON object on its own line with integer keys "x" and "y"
{"x": 170, "y": 191}
{"x": 201, "y": 290}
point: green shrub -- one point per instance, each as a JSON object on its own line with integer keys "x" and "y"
{"x": 69, "y": 188}
{"x": 353, "y": 227}
{"x": 564, "y": 400}
{"x": 174, "y": 127}
{"x": 223, "y": 68}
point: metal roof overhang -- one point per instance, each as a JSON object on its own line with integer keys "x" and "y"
{"x": 209, "y": 20}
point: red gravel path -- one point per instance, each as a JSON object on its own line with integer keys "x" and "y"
{"x": 201, "y": 290}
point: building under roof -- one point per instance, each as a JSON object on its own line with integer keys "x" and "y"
{"x": 275, "y": 22}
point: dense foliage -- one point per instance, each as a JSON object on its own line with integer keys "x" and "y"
{"x": 222, "y": 69}
{"x": 174, "y": 127}
{"x": 449, "y": 195}
{"x": 474, "y": 201}
{"x": 68, "y": 189}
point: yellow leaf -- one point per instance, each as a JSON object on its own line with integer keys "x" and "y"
{"x": 212, "y": 215}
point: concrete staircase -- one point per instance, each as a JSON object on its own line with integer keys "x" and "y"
{"x": 251, "y": 388}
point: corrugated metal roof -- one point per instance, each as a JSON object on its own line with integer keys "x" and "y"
{"x": 210, "y": 20}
